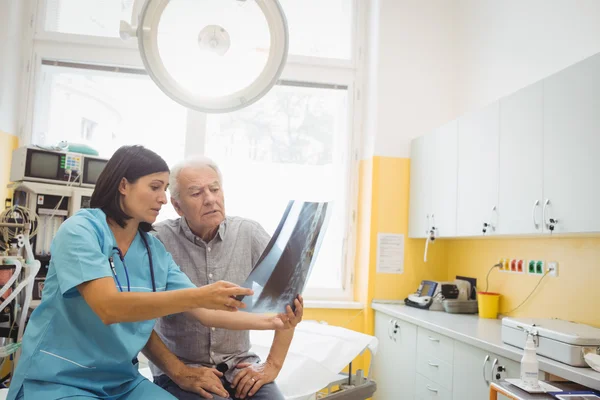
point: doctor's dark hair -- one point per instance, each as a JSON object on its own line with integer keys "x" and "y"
{"x": 131, "y": 163}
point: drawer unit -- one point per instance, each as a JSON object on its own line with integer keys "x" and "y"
{"x": 435, "y": 370}
{"x": 436, "y": 345}
{"x": 426, "y": 389}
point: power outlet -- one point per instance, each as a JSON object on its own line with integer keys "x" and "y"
{"x": 536, "y": 267}
{"x": 553, "y": 268}
{"x": 531, "y": 267}
{"x": 539, "y": 268}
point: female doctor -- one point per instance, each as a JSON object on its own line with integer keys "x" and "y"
{"x": 107, "y": 281}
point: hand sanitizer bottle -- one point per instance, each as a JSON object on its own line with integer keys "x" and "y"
{"x": 529, "y": 364}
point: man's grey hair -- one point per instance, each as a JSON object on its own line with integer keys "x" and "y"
{"x": 190, "y": 162}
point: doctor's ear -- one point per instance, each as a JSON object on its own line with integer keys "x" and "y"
{"x": 123, "y": 186}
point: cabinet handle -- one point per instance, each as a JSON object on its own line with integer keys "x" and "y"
{"x": 433, "y": 339}
{"x": 493, "y": 368}
{"x": 551, "y": 221}
{"x": 535, "y": 205}
{"x": 431, "y": 389}
{"x": 433, "y": 365}
{"x": 490, "y": 225}
{"x": 390, "y": 328}
{"x": 428, "y": 225}
{"x": 487, "y": 358}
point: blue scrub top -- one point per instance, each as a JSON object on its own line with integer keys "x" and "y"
{"x": 67, "y": 350}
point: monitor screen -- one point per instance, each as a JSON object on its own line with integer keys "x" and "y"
{"x": 44, "y": 165}
{"x": 93, "y": 168}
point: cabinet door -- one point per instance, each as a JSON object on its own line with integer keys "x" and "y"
{"x": 571, "y": 143}
{"x": 395, "y": 361}
{"x": 469, "y": 364}
{"x": 420, "y": 188}
{"x": 478, "y": 171}
{"x": 521, "y": 174}
{"x": 444, "y": 160}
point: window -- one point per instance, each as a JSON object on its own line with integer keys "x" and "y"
{"x": 330, "y": 21}
{"x": 290, "y": 145}
{"x": 106, "y": 110}
{"x": 87, "y": 17}
{"x": 297, "y": 142}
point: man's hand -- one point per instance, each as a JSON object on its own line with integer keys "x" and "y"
{"x": 252, "y": 377}
{"x": 289, "y": 320}
{"x": 200, "y": 380}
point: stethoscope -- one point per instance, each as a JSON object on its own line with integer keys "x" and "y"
{"x": 122, "y": 258}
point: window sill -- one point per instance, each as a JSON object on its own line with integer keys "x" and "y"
{"x": 331, "y": 304}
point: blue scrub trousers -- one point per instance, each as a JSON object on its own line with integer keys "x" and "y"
{"x": 144, "y": 391}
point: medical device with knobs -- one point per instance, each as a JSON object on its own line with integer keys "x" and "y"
{"x": 535, "y": 206}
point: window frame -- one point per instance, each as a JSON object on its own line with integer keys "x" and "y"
{"x": 114, "y": 52}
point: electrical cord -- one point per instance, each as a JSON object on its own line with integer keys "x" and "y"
{"x": 530, "y": 294}
{"x": 487, "y": 277}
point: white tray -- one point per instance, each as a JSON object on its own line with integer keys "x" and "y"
{"x": 542, "y": 388}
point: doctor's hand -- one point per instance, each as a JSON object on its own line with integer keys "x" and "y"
{"x": 252, "y": 377}
{"x": 290, "y": 319}
{"x": 221, "y": 296}
{"x": 201, "y": 380}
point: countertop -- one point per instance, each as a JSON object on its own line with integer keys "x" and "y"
{"x": 485, "y": 334}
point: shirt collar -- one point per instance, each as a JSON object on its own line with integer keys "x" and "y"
{"x": 187, "y": 232}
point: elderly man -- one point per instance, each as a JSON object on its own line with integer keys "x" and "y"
{"x": 209, "y": 246}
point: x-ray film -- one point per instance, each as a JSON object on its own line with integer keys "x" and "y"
{"x": 284, "y": 267}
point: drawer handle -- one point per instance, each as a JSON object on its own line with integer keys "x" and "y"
{"x": 433, "y": 365}
{"x": 433, "y": 339}
{"x": 431, "y": 389}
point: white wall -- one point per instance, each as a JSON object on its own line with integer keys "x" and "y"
{"x": 11, "y": 56}
{"x": 410, "y": 82}
{"x": 437, "y": 59}
{"x": 505, "y": 45}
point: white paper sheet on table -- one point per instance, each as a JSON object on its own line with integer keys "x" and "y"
{"x": 318, "y": 353}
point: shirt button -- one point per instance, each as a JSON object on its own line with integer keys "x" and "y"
{"x": 210, "y": 275}
{"x": 208, "y": 248}
{"x": 213, "y": 329}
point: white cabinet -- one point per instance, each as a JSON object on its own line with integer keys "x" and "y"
{"x": 433, "y": 182}
{"x": 571, "y": 144}
{"x": 394, "y": 364}
{"x": 474, "y": 369}
{"x": 478, "y": 140}
{"x": 521, "y": 164}
{"x": 420, "y": 188}
{"x": 444, "y": 179}
{"x": 525, "y": 164}
{"x": 469, "y": 380}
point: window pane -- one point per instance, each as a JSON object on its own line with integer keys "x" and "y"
{"x": 106, "y": 110}
{"x": 292, "y": 144}
{"x": 87, "y": 17}
{"x": 320, "y": 28}
{"x": 317, "y": 28}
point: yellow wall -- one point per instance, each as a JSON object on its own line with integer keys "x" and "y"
{"x": 574, "y": 295}
{"x": 7, "y": 144}
{"x": 391, "y": 178}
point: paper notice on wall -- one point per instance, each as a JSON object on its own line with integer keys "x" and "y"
{"x": 390, "y": 253}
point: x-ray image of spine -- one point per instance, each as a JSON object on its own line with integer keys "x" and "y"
{"x": 284, "y": 268}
